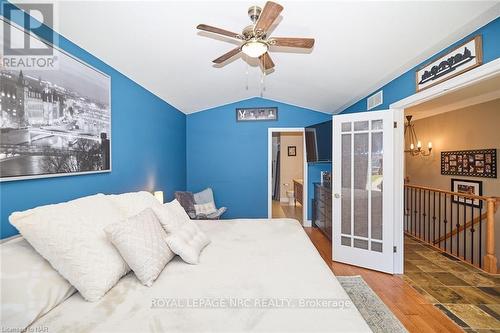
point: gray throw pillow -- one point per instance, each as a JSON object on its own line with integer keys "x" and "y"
{"x": 186, "y": 199}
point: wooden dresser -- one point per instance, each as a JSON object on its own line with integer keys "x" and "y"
{"x": 322, "y": 208}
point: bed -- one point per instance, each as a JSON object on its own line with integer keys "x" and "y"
{"x": 255, "y": 276}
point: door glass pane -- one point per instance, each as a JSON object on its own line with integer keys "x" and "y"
{"x": 346, "y": 185}
{"x": 346, "y": 241}
{"x": 376, "y": 185}
{"x": 361, "y": 244}
{"x": 346, "y": 127}
{"x": 361, "y": 184}
{"x": 361, "y": 125}
{"x": 376, "y": 246}
{"x": 377, "y": 124}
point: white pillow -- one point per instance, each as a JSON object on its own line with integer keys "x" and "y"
{"x": 30, "y": 287}
{"x": 205, "y": 209}
{"x": 188, "y": 241}
{"x": 141, "y": 242}
{"x": 134, "y": 202}
{"x": 171, "y": 215}
{"x": 71, "y": 237}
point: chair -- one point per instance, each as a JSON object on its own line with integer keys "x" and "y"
{"x": 201, "y": 205}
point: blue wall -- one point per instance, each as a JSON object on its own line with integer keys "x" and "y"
{"x": 404, "y": 85}
{"x": 148, "y": 150}
{"x": 231, "y": 157}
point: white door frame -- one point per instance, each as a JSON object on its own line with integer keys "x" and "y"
{"x": 473, "y": 76}
{"x": 270, "y": 131}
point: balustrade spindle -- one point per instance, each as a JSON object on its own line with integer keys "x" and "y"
{"x": 480, "y": 237}
{"x": 451, "y": 223}
{"x": 465, "y": 231}
{"x": 433, "y": 217}
{"x": 457, "y": 225}
{"x": 472, "y": 235}
{"x": 445, "y": 222}
{"x": 428, "y": 216}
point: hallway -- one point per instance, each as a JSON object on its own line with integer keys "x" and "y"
{"x": 284, "y": 210}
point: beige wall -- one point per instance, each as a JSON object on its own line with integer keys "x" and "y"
{"x": 474, "y": 127}
{"x": 291, "y": 167}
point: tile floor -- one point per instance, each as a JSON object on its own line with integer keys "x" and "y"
{"x": 468, "y": 296}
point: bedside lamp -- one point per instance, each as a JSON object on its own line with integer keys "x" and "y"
{"x": 159, "y": 196}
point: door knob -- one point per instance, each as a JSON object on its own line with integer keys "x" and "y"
{"x": 337, "y": 195}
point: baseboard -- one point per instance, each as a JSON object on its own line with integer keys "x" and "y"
{"x": 307, "y": 223}
{"x": 284, "y": 200}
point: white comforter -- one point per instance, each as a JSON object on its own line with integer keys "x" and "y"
{"x": 256, "y": 275}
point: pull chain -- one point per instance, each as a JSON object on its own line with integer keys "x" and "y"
{"x": 246, "y": 74}
{"x": 262, "y": 84}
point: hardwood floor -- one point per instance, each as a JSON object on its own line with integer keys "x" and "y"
{"x": 411, "y": 308}
{"x": 282, "y": 210}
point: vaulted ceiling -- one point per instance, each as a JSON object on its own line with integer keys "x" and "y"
{"x": 359, "y": 46}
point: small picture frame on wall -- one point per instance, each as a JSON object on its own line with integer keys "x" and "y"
{"x": 292, "y": 150}
{"x": 465, "y": 186}
{"x": 257, "y": 114}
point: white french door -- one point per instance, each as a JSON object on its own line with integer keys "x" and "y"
{"x": 363, "y": 184}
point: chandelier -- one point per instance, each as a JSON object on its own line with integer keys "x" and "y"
{"x": 415, "y": 148}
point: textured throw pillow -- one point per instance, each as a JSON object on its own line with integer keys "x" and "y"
{"x": 186, "y": 199}
{"x": 171, "y": 215}
{"x": 134, "y": 202}
{"x": 71, "y": 237}
{"x": 205, "y": 209}
{"x": 141, "y": 242}
{"x": 30, "y": 287}
{"x": 187, "y": 242}
{"x": 204, "y": 196}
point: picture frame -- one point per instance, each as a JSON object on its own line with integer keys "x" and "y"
{"x": 470, "y": 163}
{"x": 292, "y": 150}
{"x": 459, "y": 60}
{"x": 73, "y": 134}
{"x": 467, "y": 186}
{"x": 257, "y": 114}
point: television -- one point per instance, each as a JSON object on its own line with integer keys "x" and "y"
{"x": 319, "y": 142}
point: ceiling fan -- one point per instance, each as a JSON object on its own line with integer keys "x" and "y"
{"x": 255, "y": 42}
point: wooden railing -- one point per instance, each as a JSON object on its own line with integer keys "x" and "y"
{"x": 462, "y": 225}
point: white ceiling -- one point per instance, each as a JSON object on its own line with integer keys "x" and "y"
{"x": 360, "y": 45}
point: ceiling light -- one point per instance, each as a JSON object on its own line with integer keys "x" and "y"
{"x": 412, "y": 139}
{"x": 254, "y": 48}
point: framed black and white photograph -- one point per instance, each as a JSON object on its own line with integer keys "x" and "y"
{"x": 53, "y": 121}
{"x": 465, "y": 186}
{"x": 470, "y": 163}
{"x": 292, "y": 150}
{"x": 455, "y": 62}
{"x": 257, "y": 114}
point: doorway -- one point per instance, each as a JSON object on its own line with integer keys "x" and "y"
{"x": 287, "y": 174}
{"x": 393, "y": 210}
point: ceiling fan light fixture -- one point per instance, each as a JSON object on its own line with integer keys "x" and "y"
{"x": 254, "y": 48}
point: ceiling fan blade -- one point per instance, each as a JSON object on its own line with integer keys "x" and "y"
{"x": 305, "y": 43}
{"x": 219, "y": 31}
{"x": 227, "y": 55}
{"x": 266, "y": 61}
{"x": 269, "y": 14}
